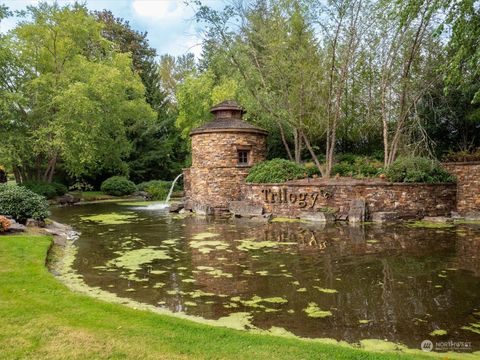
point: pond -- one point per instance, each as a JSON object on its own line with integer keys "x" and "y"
{"x": 402, "y": 283}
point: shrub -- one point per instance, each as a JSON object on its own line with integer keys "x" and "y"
{"x": 156, "y": 189}
{"x": 312, "y": 170}
{"x": 357, "y": 166}
{"x": 463, "y": 155}
{"x": 4, "y": 224}
{"x": 418, "y": 169}
{"x": 21, "y": 203}
{"x": 118, "y": 186}
{"x": 275, "y": 171}
{"x": 49, "y": 190}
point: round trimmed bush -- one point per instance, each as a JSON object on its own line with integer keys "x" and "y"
{"x": 418, "y": 170}
{"x": 275, "y": 171}
{"x": 22, "y": 204}
{"x": 49, "y": 190}
{"x": 156, "y": 189}
{"x": 118, "y": 186}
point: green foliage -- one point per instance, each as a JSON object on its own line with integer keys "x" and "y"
{"x": 22, "y": 203}
{"x": 197, "y": 95}
{"x": 156, "y": 189}
{"x": 463, "y": 155}
{"x": 275, "y": 171}
{"x": 417, "y": 169}
{"x": 312, "y": 170}
{"x": 357, "y": 166}
{"x": 49, "y": 190}
{"x": 74, "y": 96}
{"x": 118, "y": 186}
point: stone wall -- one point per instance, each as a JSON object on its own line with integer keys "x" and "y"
{"x": 219, "y": 149}
{"x": 405, "y": 200}
{"x": 468, "y": 185}
{"x": 215, "y": 177}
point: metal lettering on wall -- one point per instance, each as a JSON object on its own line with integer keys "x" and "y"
{"x": 301, "y": 199}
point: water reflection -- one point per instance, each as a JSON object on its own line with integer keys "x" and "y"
{"x": 396, "y": 283}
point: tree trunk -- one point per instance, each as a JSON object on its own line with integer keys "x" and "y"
{"x": 312, "y": 153}
{"x": 284, "y": 141}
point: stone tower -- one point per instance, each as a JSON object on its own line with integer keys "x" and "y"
{"x": 223, "y": 151}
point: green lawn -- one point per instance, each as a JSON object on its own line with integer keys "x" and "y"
{"x": 41, "y": 318}
{"x": 93, "y": 196}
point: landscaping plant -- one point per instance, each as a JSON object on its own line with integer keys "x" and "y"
{"x": 118, "y": 186}
{"x": 49, "y": 190}
{"x": 22, "y": 204}
{"x": 4, "y": 224}
{"x": 276, "y": 171}
{"x": 417, "y": 170}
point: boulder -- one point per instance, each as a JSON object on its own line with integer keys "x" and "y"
{"x": 202, "y": 209}
{"x": 317, "y": 216}
{"x": 142, "y": 194}
{"x": 245, "y": 208}
{"x": 472, "y": 216}
{"x": 358, "y": 211}
{"x": 16, "y": 227}
{"x": 35, "y": 223}
{"x": 67, "y": 199}
{"x": 188, "y": 205}
{"x": 175, "y": 207}
{"x": 383, "y": 216}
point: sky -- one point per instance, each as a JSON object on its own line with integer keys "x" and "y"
{"x": 169, "y": 23}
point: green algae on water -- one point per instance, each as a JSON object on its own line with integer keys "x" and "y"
{"x": 111, "y": 218}
{"x": 325, "y": 290}
{"x": 474, "y": 327}
{"x": 207, "y": 246}
{"x": 251, "y": 244}
{"x": 314, "y": 311}
{"x": 438, "y": 332}
{"x": 430, "y": 225}
{"x": 204, "y": 235}
{"x": 133, "y": 259}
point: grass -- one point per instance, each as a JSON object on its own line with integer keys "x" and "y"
{"x": 93, "y": 195}
{"x": 42, "y": 319}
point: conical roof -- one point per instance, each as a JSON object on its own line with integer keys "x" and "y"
{"x": 228, "y": 118}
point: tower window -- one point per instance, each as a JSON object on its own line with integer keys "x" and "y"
{"x": 243, "y": 157}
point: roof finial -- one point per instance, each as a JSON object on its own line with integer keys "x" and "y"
{"x": 228, "y": 109}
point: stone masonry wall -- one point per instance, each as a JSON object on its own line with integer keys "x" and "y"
{"x": 406, "y": 200}
{"x": 215, "y": 177}
{"x": 219, "y": 149}
{"x": 468, "y": 185}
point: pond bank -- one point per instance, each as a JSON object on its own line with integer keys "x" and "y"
{"x": 62, "y": 266}
{"x": 43, "y": 319}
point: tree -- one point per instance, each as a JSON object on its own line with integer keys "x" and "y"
{"x": 158, "y": 151}
{"x": 275, "y": 55}
{"x": 75, "y": 98}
